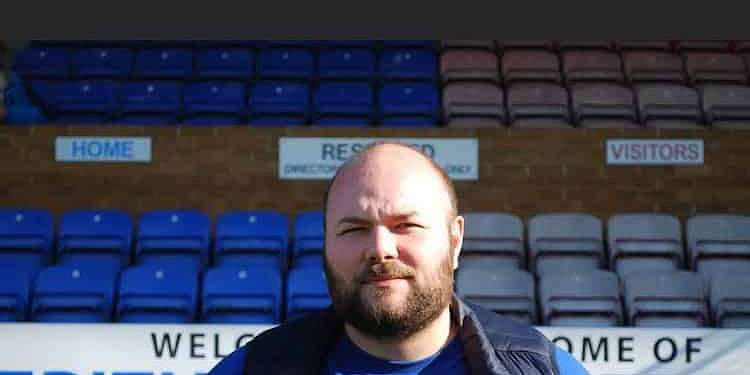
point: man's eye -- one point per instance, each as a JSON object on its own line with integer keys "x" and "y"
{"x": 350, "y": 230}
{"x": 408, "y": 225}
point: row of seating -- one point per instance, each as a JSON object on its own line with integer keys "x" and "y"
{"x": 550, "y": 243}
{"x": 664, "y": 299}
{"x": 159, "y": 293}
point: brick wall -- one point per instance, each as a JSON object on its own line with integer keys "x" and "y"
{"x": 521, "y": 171}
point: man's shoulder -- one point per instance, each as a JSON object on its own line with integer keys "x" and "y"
{"x": 311, "y": 329}
{"x": 508, "y": 334}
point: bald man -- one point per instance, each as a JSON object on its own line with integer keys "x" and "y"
{"x": 392, "y": 242}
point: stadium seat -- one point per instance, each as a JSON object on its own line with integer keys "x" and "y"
{"x": 346, "y": 101}
{"x": 603, "y": 105}
{"x": 530, "y": 65}
{"x": 15, "y": 291}
{"x": 473, "y": 104}
{"x": 427, "y": 44}
{"x": 240, "y": 295}
{"x": 506, "y": 45}
{"x": 307, "y": 245}
{"x": 706, "y": 67}
{"x": 214, "y": 103}
{"x": 653, "y": 66}
{"x": 565, "y": 45}
{"x": 150, "y": 102}
{"x": 718, "y": 244}
{"x": 469, "y": 64}
{"x": 43, "y": 62}
{"x": 342, "y": 43}
{"x": 164, "y": 63}
{"x": 279, "y": 103}
{"x": 726, "y": 105}
{"x": 706, "y": 45}
{"x": 538, "y": 105}
{"x": 408, "y": 63}
{"x": 26, "y": 237}
{"x": 285, "y": 63}
{"x": 665, "y": 300}
{"x": 590, "y": 299}
{"x": 252, "y": 238}
{"x": 224, "y": 63}
{"x": 86, "y": 102}
{"x": 346, "y": 63}
{"x": 592, "y": 65}
{"x": 409, "y": 103}
{"x": 730, "y": 301}
{"x": 492, "y": 240}
{"x": 74, "y": 294}
{"x": 306, "y": 291}
{"x": 507, "y": 292}
{"x": 657, "y": 45}
{"x": 96, "y": 238}
{"x": 173, "y": 237}
{"x": 114, "y": 63}
{"x": 157, "y": 294}
{"x": 455, "y": 44}
{"x": 644, "y": 242}
{"x": 565, "y": 242}
{"x": 668, "y": 105}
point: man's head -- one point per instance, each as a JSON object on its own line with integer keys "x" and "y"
{"x": 392, "y": 240}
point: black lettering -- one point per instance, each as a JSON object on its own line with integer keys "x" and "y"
{"x": 653, "y": 150}
{"x": 692, "y": 347}
{"x": 693, "y": 152}
{"x": 673, "y": 350}
{"x": 617, "y": 150}
{"x": 194, "y": 344}
{"x": 623, "y": 348}
{"x": 636, "y": 152}
{"x": 241, "y": 340}
{"x": 665, "y": 155}
{"x": 217, "y": 352}
{"x": 569, "y": 344}
{"x": 341, "y": 151}
{"x": 681, "y": 152}
{"x": 166, "y": 341}
{"x": 328, "y": 152}
{"x": 602, "y": 346}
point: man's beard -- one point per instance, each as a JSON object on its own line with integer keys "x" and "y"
{"x": 421, "y": 306}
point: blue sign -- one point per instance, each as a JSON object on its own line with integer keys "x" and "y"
{"x": 103, "y": 149}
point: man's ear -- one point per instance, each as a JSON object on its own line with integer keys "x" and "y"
{"x": 457, "y": 238}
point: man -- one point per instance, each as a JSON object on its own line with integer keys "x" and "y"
{"x": 392, "y": 243}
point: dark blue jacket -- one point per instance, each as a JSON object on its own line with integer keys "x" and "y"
{"x": 493, "y": 345}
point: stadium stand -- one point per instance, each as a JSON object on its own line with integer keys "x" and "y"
{"x": 668, "y": 105}
{"x": 224, "y": 63}
{"x": 43, "y": 62}
{"x": 730, "y": 301}
{"x": 106, "y": 63}
{"x": 15, "y": 292}
{"x": 565, "y": 242}
{"x": 240, "y": 295}
{"x": 492, "y": 240}
{"x": 603, "y": 105}
{"x": 640, "y": 242}
{"x": 279, "y": 103}
{"x": 163, "y": 63}
{"x": 150, "y": 102}
{"x": 95, "y": 238}
{"x": 214, "y": 103}
{"x": 508, "y": 292}
{"x": 538, "y": 105}
{"x": 718, "y": 244}
{"x": 469, "y": 64}
{"x": 706, "y": 67}
{"x": 173, "y": 237}
{"x": 347, "y": 63}
{"x": 408, "y": 64}
{"x": 590, "y": 299}
{"x": 530, "y": 65}
{"x": 26, "y": 239}
{"x": 666, "y": 299}
{"x": 257, "y": 239}
{"x": 306, "y": 291}
{"x": 157, "y": 293}
{"x": 653, "y": 66}
{"x": 285, "y": 63}
{"x": 726, "y": 105}
{"x": 405, "y": 104}
{"x": 473, "y": 104}
{"x": 85, "y": 102}
{"x": 591, "y": 65}
{"x": 74, "y": 294}
{"x": 307, "y": 245}
{"x": 343, "y": 103}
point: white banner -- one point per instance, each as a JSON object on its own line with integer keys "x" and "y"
{"x": 655, "y": 151}
{"x": 319, "y": 158}
{"x": 103, "y": 149}
{"x": 117, "y": 349}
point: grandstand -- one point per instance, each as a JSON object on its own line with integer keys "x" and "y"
{"x": 207, "y": 233}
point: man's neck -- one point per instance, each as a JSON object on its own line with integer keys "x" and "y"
{"x": 415, "y": 347}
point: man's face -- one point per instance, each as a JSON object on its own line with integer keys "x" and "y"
{"x": 390, "y": 242}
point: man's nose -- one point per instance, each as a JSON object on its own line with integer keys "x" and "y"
{"x": 382, "y": 245}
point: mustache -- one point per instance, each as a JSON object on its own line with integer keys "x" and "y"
{"x": 387, "y": 270}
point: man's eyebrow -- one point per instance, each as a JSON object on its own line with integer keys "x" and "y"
{"x": 353, "y": 220}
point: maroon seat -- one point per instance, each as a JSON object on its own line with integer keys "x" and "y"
{"x": 514, "y": 44}
{"x": 706, "y": 67}
{"x": 538, "y": 105}
{"x": 658, "y": 45}
{"x": 668, "y": 105}
{"x": 469, "y": 64}
{"x": 584, "y": 44}
{"x": 645, "y": 66}
{"x": 591, "y": 65}
{"x": 603, "y": 105}
{"x": 703, "y": 45}
{"x": 726, "y": 105}
{"x": 473, "y": 104}
{"x": 483, "y": 44}
{"x": 530, "y": 64}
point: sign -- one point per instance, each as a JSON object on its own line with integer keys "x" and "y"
{"x": 319, "y": 158}
{"x": 655, "y": 152}
{"x": 103, "y": 149}
{"x": 193, "y": 349}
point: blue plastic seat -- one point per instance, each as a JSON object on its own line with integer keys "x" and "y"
{"x": 285, "y": 101}
{"x": 408, "y": 63}
{"x": 343, "y": 122}
{"x": 306, "y": 292}
{"x": 346, "y": 63}
{"x": 214, "y": 103}
{"x": 307, "y": 250}
{"x": 95, "y": 238}
{"x": 164, "y": 63}
{"x": 73, "y": 294}
{"x": 15, "y": 291}
{"x": 252, "y": 238}
{"x": 26, "y": 237}
{"x": 157, "y": 294}
{"x": 285, "y": 63}
{"x": 409, "y": 104}
{"x": 86, "y": 101}
{"x": 341, "y": 43}
{"x": 347, "y": 100}
{"x": 150, "y": 102}
{"x": 410, "y": 43}
{"x": 103, "y": 62}
{"x": 43, "y": 62}
{"x": 173, "y": 237}
{"x": 228, "y": 63}
{"x": 241, "y": 295}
